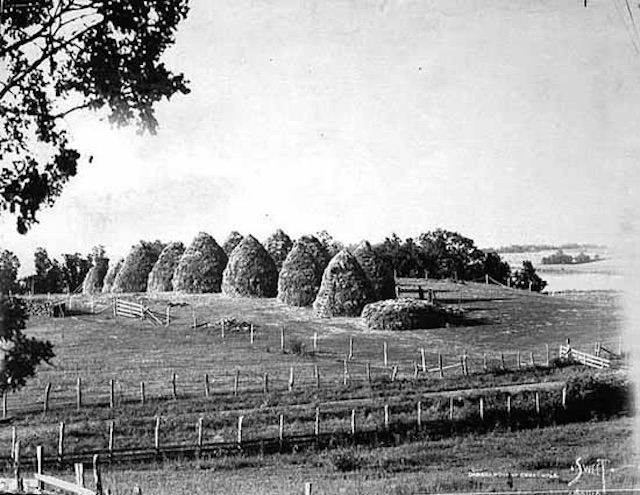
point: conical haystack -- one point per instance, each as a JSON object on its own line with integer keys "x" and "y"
{"x": 379, "y": 271}
{"x": 250, "y": 271}
{"x": 278, "y": 246}
{"x": 301, "y": 273}
{"x": 201, "y": 266}
{"x": 161, "y": 276}
{"x": 134, "y": 274}
{"x": 344, "y": 290}
{"x": 94, "y": 280}
{"x": 111, "y": 275}
{"x": 232, "y": 242}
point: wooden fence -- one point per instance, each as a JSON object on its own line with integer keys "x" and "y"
{"x": 567, "y": 352}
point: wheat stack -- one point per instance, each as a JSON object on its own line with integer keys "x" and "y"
{"x": 200, "y": 267}
{"x": 379, "y": 271}
{"x": 250, "y": 271}
{"x": 161, "y": 276}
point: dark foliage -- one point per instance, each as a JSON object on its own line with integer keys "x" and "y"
{"x": 528, "y": 279}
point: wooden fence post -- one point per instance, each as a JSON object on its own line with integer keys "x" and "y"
{"x": 385, "y": 352}
{"x": 240, "y": 419}
{"x": 386, "y": 416}
{"x": 39, "y": 456}
{"x": 174, "y": 391}
{"x": 518, "y": 359}
{"x": 315, "y": 342}
{"x": 345, "y": 373}
{"x": 112, "y": 394}
{"x": 307, "y": 488}
{"x": 16, "y": 461}
{"x": 281, "y": 428}
{"x": 353, "y": 422}
{"x": 423, "y": 360}
{"x": 167, "y": 320}
{"x": 79, "y": 471}
{"x": 502, "y": 361}
{"x": 112, "y": 434}
{"x": 78, "y": 393}
{"x": 142, "y": 394}
{"x": 451, "y": 408}
{"x": 207, "y": 391}
{"x": 416, "y": 371}
{"x": 265, "y": 383}
{"x": 484, "y": 362}
{"x": 97, "y": 476}
{"x": 291, "y": 379}
{"x": 223, "y": 327}
{"x": 394, "y": 373}
{"x": 350, "y": 348}
{"x": 547, "y": 354}
{"x": 509, "y": 405}
{"x": 282, "y": 339}
{"x": 482, "y": 408}
{"x": 316, "y": 429}
{"x": 61, "y": 443}
{"x": 419, "y": 415}
{"x": 14, "y": 440}
{"x": 200, "y": 433}
{"x": 564, "y": 397}
{"x": 251, "y": 334}
{"x": 441, "y": 369}
{"x": 157, "y": 435}
{"x": 317, "y": 374}
{"x": 537, "y": 399}
{"x": 236, "y": 382}
{"x": 533, "y": 362}
{"x": 194, "y": 320}
{"x": 369, "y": 373}
{"x": 47, "y": 391}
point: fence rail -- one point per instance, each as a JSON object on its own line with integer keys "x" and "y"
{"x": 584, "y": 358}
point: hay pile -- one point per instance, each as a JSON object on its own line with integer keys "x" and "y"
{"x": 278, "y": 246}
{"x": 232, "y": 242}
{"x": 344, "y": 290}
{"x": 94, "y": 279}
{"x": 201, "y": 266}
{"x": 250, "y": 271}
{"x": 379, "y": 271}
{"x": 404, "y": 314}
{"x": 301, "y": 273}
{"x": 161, "y": 276}
{"x": 112, "y": 272}
{"x": 134, "y": 274}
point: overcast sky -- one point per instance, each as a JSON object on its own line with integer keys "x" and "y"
{"x": 505, "y": 122}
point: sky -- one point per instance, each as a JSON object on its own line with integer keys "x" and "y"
{"x": 510, "y": 123}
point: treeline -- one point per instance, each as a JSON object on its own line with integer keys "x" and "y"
{"x": 51, "y": 275}
{"x": 561, "y": 258}
{"x": 445, "y": 254}
{"x": 533, "y": 248}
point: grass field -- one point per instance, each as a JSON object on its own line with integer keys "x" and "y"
{"x": 99, "y": 348}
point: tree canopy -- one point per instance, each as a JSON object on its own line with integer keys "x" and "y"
{"x": 61, "y": 56}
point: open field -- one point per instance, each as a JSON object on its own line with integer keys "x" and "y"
{"x": 500, "y": 325}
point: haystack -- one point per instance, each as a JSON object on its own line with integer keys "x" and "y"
{"x": 201, "y": 266}
{"x": 134, "y": 274}
{"x": 301, "y": 273}
{"x": 278, "y": 246}
{"x": 161, "y": 276}
{"x": 232, "y": 242}
{"x": 110, "y": 277}
{"x": 403, "y": 314}
{"x": 379, "y": 271}
{"x": 250, "y": 271}
{"x": 344, "y": 290}
{"x": 94, "y": 279}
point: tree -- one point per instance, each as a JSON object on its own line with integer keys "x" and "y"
{"x": 9, "y": 266}
{"x": 496, "y": 268}
{"x": 58, "y": 57}
{"x": 74, "y": 270}
{"x": 19, "y": 354}
{"x": 528, "y": 279}
{"x": 49, "y": 274}
{"x": 450, "y": 254}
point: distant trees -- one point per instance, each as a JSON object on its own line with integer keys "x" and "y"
{"x": 9, "y": 266}
{"x": 527, "y": 278}
{"x": 560, "y": 258}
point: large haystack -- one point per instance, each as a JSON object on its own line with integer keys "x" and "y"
{"x": 403, "y": 314}
{"x": 344, "y": 290}
{"x": 250, "y": 271}
{"x": 94, "y": 280}
{"x": 134, "y": 274}
{"x": 278, "y": 246}
{"x": 111, "y": 275}
{"x": 201, "y": 266}
{"x": 379, "y": 271}
{"x": 232, "y": 242}
{"x": 161, "y": 276}
{"x": 301, "y": 273}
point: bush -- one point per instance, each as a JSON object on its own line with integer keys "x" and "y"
{"x": 345, "y": 460}
{"x": 598, "y": 396}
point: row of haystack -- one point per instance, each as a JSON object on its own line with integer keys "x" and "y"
{"x": 300, "y": 274}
